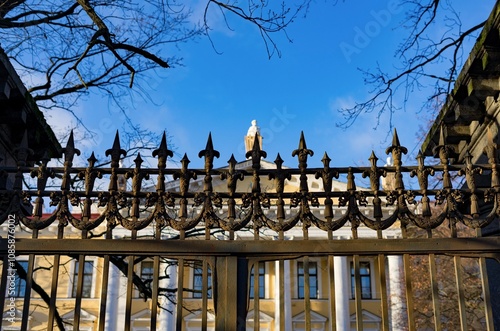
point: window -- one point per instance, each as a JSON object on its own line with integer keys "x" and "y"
{"x": 20, "y": 284}
{"x": 147, "y": 269}
{"x": 198, "y": 280}
{"x": 365, "y": 277}
{"x": 262, "y": 284}
{"x": 88, "y": 269}
{"x": 313, "y": 280}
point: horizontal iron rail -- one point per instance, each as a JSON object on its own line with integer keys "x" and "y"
{"x": 483, "y": 246}
{"x": 239, "y": 194}
{"x": 218, "y": 171}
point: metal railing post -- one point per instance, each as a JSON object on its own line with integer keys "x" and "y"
{"x": 231, "y": 283}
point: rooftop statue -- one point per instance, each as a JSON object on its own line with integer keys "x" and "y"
{"x": 253, "y": 129}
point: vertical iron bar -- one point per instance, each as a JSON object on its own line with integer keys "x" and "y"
{"x": 55, "y": 278}
{"x": 227, "y": 286}
{"x": 156, "y": 282}
{"x": 357, "y": 294}
{"x": 241, "y": 288}
{"x": 457, "y": 261}
{"x": 104, "y": 293}
{"x": 281, "y": 290}
{"x": 408, "y": 286}
{"x": 383, "y": 292}
{"x": 180, "y": 287}
{"x": 204, "y": 295}
{"x": 384, "y": 301}
{"x": 307, "y": 294}
{"x": 154, "y": 292}
{"x": 486, "y": 290}
{"x": 256, "y": 299}
{"x": 3, "y": 284}
{"x": 409, "y": 292}
{"x": 104, "y": 285}
{"x": 79, "y": 289}
{"x": 29, "y": 285}
{"x": 435, "y": 292}
{"x": 130, "y": 286}
{"x": 331, "y": 287}
{"x": 460, "y": 289}
{"x": 180, "y": 294}
{"x": 435, "y": 288}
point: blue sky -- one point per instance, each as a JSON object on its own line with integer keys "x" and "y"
{"x": 299, "y": 91}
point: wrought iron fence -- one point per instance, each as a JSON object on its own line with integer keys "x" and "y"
{"x": 142, "y": 238}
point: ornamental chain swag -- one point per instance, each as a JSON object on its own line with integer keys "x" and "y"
{"x": 246, "y": 209}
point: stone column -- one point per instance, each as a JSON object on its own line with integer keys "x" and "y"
{"x": 286, "y": 315}
{"x": 395, "y": 288}
{"x": 167, "y": 318}
{"x": 115, "y": 307}
{"x": 111, "y": 300}
{"x": 342, "y": 292}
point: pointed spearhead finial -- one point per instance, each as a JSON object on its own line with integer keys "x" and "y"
{"x": 374, "y": 174}
{"x": 185, "y": 161}
{"x": 326, "y": 174}
{"x": 442, "y": 139}
{"x": 422, "y": 174}
{"x": 162, "y": 152}
{"x": 116, "y": 151}
{"x": 442, "y": 150}
{"x": 396, "y": 149}
{"x": 184, "y": 175}
{"x": 138, "y": 160}
{"x": 232, "y": 162}
{"x": 256, "y": 153}
{"x": 279, "y": 161}
{"x": 302, "y": 152}
{"x": 209, "y": 153}
{"x": 232, "y": 176}
{"x": 92, "y": 160}
{"x": 302, "y": 141}
{"x": 396, "y": 144}
{"x": 373, "y": 159}
{"x": 420, "y": 158}
{"x": 70, "y": 150}
{"x": 326, "y": 161}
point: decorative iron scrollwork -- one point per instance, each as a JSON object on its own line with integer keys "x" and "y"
{"x": 125, "y": 202}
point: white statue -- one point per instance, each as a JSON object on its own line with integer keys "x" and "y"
{"x": 254, "y": 129}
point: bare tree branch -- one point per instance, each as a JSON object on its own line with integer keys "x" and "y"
{"x": 63, "y": 49}
{"x": 418, "y": 54}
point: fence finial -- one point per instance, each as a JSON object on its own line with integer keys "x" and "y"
{"x": 116, "y": 151}
{"x": 209, "y": 153}
{"x": 162, "y": 152}
{"x": 70, "y": 150}
{"x": 256, "y": 153}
